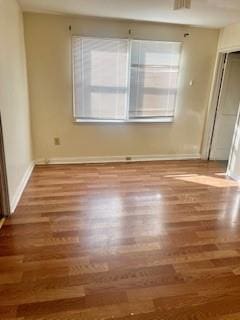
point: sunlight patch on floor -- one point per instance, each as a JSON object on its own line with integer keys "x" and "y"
{"x": 207, "y": 180}
{"x": 222, "y": 174}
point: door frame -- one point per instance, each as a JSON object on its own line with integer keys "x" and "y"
{"x": 215, "y": 96}
{"x": 4, "y": 194}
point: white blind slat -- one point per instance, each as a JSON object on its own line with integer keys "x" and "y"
{"x": 100, "y": 78}
{"x": 154, "y": 72}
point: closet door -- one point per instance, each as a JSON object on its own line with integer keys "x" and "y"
{"x": 227, "y": 110}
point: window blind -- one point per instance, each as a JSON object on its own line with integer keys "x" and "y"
{"x": 154, "y": 72}
{"x": 100, "y": 72}
{"x": 126, "y": 80}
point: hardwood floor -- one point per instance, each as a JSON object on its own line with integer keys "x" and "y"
{"x": 140, "y": 241}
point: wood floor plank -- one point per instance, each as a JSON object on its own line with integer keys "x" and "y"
{"x": 140, "y": 241}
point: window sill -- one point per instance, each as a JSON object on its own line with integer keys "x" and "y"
{"x": 157, "y": 120}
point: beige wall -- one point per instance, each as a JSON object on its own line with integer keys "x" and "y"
{"x": 229, "y": 39}
{"x": 14, "y": 96}
{"x": 49, "y": 61}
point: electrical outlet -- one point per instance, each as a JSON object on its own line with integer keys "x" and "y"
{"x": 57, "y": 141}
{"x": 129, "y": 158}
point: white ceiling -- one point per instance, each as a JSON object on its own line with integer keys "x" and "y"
{"x": 207, "y": 13}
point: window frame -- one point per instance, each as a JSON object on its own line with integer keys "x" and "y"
{"x": 161, "y": 119}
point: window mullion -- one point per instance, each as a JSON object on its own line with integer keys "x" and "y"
{"x": 128, "y": 79}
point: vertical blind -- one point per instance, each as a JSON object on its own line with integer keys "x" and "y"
{"x": 119, "y": 79}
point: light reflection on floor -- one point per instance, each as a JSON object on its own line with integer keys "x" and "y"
{"x": 235, "y": 211}
{"x": 117, "y": 207}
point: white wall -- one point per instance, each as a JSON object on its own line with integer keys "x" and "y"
{"x": 49, "y": 64}
{"x": 14, "y": 100}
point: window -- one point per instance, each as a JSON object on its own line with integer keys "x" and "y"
{"x": 124, "y": 80}
{"x": 100, "y": 78}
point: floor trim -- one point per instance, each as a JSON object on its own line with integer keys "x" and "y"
{"x": 21, "y": 187}
{"x": 69, "y": 160}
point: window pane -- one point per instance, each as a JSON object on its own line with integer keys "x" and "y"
{"x": 154, "y": 71}
{"x": 100, "y": 78}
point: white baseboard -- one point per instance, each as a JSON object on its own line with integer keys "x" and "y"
{"x": 117, "y": 159}
{"x": 21, "y": 187}
{"x": 233, "y": 176}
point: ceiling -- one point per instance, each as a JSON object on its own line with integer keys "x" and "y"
{"x": 206, "y": 13}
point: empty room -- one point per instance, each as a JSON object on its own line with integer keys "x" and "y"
{"x": 119, "y": 159}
